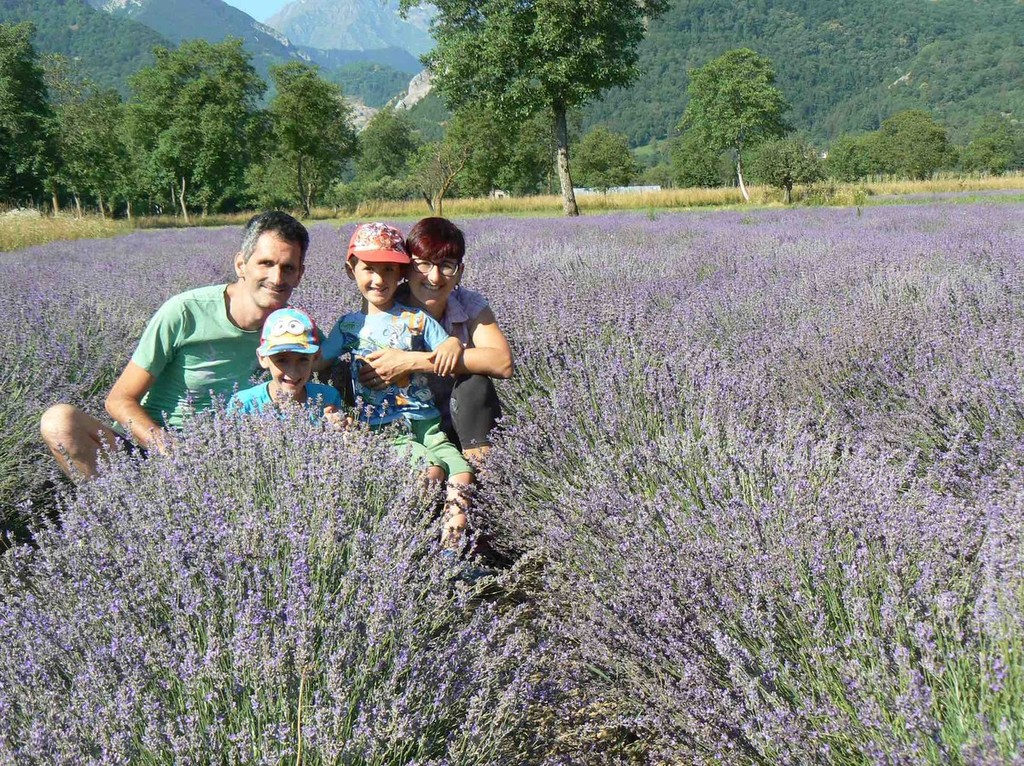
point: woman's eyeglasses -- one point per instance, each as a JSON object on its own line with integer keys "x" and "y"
{"x": 448, "y": 268}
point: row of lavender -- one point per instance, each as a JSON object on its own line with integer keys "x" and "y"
{"x": 761, "y": 476}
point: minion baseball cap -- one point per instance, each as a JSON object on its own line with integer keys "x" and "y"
{"x": 378, "y": 243}
{"x": 289, "y": 330}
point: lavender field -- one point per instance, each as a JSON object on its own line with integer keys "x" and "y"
{"x": 760, "y": 485}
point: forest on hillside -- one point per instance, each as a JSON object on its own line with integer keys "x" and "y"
{"x": 105, "y": 49}
{"x": 844, "y": 65}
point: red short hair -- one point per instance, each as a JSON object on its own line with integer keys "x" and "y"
{"x": 436, "y": 239}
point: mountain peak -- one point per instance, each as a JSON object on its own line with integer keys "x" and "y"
{"x": 354, "y": 25}
{"x": 125, "y": 7}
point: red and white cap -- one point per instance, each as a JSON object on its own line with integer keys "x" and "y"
{"x": 378, "y": 243}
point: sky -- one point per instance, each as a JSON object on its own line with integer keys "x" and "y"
{"x": 261, "y": 10}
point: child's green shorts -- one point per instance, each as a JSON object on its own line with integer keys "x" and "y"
{"x": 427, "y": 440}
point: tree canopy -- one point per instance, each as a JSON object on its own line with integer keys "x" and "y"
{"x": 997, "y": 146}
{"x": 603, "y": 160}
{"x": 783, "y": 162}
{"x": 313, "y": 134}
{"x": 27, "y": 144}
{"x": 194, "y": 114}
{"x": 912, "y": 144}
{"x": 733, "y": 103}
{"x": 520, "y": 57}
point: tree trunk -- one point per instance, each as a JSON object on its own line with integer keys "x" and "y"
{"x": 128, "y": 206}
{"x": 184, "y": 210}
{"x": 78, "y": 205}
{"x": 302, "y": 190}
{"x": 430, "y": 201}
{"x": 56, "y": 201}
{"x": 562, "y": 162}
{"x": 739, "y": 175}
{"x": 789, "y": 193}
{"x": 99, "y": 199}
{"x": 310, "y": 195}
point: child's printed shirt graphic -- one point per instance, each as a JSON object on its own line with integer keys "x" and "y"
{"x": 400, "y": 327}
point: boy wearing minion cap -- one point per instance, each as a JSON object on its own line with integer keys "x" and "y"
{"x": 289, "y": 346}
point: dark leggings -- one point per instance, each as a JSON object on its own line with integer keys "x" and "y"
{"x": 475, "y": 410}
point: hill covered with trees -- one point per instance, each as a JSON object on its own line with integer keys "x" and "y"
{"x": 844, "y": 65}
{"x": 107, "y": 49}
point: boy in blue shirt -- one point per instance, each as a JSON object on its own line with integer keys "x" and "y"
{"x": 376, "y": 260}
{"x": 289, "y": 346}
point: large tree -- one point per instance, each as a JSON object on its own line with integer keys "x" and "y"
{"x": 997, "y": 146}
{"x": 88, "y": 127}
{"x": 853, "y": 156}
{"x": 513, "y": 158}
{"x": 193, "y": 116}
{"x": 386, "y": 146}
{"x": 520, "y": 57}
{"x": 733, "y": 103}
{"x": 27, "y": 146}
{"x": 312, "y": 127}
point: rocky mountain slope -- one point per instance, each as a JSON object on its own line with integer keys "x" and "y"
{"x": 353, "y": 24}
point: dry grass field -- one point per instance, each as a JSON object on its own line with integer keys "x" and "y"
{"x": 23, "y": 228}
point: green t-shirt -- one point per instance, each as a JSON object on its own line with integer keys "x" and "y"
{"x": 195, "y": 352}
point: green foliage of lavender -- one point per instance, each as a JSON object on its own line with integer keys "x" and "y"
{"x": 760, "y": 473}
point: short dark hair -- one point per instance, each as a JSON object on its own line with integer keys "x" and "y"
{"x": 275, "y": 222}
{"x": 436, "y": 239}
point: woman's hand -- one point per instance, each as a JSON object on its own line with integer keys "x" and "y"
{"x": 447, "y": 356}
{"x": 387, "y": 366}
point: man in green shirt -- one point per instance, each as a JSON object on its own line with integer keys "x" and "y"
{"x": 199, "y": 345}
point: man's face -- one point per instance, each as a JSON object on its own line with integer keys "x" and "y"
{"x": 271, "y": 272}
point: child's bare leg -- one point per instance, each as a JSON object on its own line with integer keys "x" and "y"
{"x": 457, "y": 500}
{"x": 476, "y": 457}
{"x": 431, "y": 481}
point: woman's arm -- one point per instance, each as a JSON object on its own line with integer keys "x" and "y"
{"x": 384, "y": 366}
{"x": 489, "y": 353}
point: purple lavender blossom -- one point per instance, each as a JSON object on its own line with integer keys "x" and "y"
{"x": 760, "y": 473}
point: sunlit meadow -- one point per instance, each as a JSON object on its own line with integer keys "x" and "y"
{"x": 758, "y": 489}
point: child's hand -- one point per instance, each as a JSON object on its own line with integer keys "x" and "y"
{"x": 447, "y": 356}
{"x": 337, "y": 420}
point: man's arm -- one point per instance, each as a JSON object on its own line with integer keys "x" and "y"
{"x": 124, "y": 404}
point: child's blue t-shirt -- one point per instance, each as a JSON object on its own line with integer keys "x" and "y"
{"x": 258, "y": 398}
{"x": 399, "y": 327}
